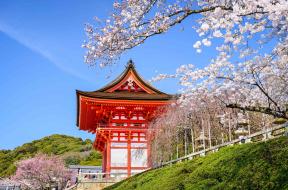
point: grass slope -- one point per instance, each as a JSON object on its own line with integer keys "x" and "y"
{"x": 73, "y": 150}
{"x": 249, "y": 166}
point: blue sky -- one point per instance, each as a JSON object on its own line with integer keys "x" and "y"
{"x": 42, "y": 65}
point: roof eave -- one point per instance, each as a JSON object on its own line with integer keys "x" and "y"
{"x": 123, "y": 97}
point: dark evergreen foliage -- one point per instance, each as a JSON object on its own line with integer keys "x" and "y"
{"x": 73, "y": 150}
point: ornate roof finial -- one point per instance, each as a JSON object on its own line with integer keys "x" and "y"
{"x": 130, "y": 63}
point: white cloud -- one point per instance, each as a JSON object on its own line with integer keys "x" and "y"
{"x": 37, "y": 48}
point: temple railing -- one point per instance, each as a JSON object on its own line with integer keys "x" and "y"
{"x": 268, "y": 133}
{"x": 101, "y": 177}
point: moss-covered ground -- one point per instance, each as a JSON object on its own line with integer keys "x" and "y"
{"x": 262, "y": 166}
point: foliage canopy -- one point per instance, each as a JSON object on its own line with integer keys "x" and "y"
{"x": 73, "y": 150}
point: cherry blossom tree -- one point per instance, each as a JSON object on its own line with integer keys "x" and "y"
{"x": 163, "y": 133}
{"x": 248, "y": 73}
{"x": 182, "y": 130}
{"x": 40, "y": 171}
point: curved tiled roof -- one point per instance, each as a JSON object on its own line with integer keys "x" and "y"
{"x": 101, "y": 93}
{"x": 126, "y": 95}
{"x": 107, "y": 91}
{"x": 130, "y": 66}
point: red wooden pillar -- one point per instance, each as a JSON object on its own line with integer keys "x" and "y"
{"x": 104, "y": 163}
{"x": 129, "y": 154}
{"x": 108, "y": 157}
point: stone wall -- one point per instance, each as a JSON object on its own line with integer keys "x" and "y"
{"x": 93, "y": 185}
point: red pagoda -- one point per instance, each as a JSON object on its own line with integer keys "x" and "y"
{"x": 119, "y": 114}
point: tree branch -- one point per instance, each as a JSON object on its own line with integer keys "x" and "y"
{"x": 265, "y": 110}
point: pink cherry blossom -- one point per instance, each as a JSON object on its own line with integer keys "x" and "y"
{"x": 40, "y": 171}
{"x": 248, "y": 73}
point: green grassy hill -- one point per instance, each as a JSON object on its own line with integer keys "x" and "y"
{"x": 73, "y": 150}
{"x": 260, "y": 166}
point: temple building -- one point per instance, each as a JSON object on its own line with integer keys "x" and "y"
{"x": 119, "y": 114}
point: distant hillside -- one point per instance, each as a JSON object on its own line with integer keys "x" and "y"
{"x": 73, "y": 150}
{"x": 249, "y": 166}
